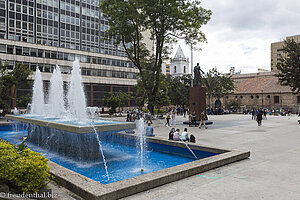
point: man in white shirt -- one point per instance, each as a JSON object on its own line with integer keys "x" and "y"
{"x": 184, "y": 135}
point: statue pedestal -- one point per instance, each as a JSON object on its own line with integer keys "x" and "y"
{"x": 197, "y": 101}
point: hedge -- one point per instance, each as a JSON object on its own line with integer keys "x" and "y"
{"x": 22, "y": 168}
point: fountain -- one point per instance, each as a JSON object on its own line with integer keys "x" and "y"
{"x": 56, "y": 95}
{"x": 38, "y": 104}
{"x": 101, "y": 150}
{"x": 141, "y": 142}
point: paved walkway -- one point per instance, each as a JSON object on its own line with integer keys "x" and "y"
{"x": 272, "y": 172}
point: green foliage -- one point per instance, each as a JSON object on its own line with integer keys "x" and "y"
{"x": 10, "y": 81}
{"x": 23, "y": 101}
{"x": 116, "y": 100}
{"x": 233, "y": 104}
{"x": 166, "y": 21}
{"x": 157, "y": 111}
{"x": 22, "y": 168}
{"x": 217, "y": 85}
{"x": 289, "y": 65}
{"x": 178, "y": 90}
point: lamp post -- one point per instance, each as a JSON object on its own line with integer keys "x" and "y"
{"x": 262, "y": 99}
{"x": 192, "y": 65}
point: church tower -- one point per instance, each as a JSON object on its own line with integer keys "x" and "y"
{"x": 179, "y": 64}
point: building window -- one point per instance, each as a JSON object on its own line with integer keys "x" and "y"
{"x": 236, "y": 97}
{"x": 184, "y": 69}
{"x": 251, "y": 97}
{"x": 276, "y": 99}
{"x": 241, "y": 97}
{"x": 257, "y": 97}
{"x": 227, "y": 97}
{"x": 298, "y": 99}
{"x": 174, "y": 69}
{"x": 268, "y": 96}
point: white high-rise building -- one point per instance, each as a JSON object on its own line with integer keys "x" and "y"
{"x": 179, "y": 64}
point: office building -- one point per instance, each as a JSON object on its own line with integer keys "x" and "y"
{"x": 46, "y": 33}
{"x": 277, "y": 53}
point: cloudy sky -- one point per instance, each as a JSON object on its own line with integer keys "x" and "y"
{"x": 240, "y": 33}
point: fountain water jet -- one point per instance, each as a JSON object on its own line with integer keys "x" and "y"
{"x": 56, "y": 94}
{"x": 76, "y": 97}
{"x": 141, "y": 142}
{"x": 38, "y": 104}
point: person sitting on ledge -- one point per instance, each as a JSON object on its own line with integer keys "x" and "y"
{"x": 192, "y": 138}
{"x": 171, "y": 134}
{"x": 184, "y": 135}
{"x": 149, "y": 130}
{"x": 176, "y": 135}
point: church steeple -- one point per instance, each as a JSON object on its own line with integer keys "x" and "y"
{"x": 179, "y": 54}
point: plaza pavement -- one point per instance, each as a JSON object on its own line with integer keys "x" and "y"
{"x": 272, "y": 171}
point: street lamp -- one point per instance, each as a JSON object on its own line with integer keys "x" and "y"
{"x": 262, "y": 99}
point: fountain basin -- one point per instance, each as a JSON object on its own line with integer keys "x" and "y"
{"x": 68, "y": 139}
{"x": 80, "y": 182}
{"x": 91, "y": 189}
{"x": 72, "y": 127}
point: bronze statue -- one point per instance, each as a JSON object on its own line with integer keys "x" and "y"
{"x": 198, "y": 75}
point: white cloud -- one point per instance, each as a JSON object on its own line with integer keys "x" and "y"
{"x": 240, "y": 33}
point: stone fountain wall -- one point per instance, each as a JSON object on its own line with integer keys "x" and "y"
{"x": 82, "y": 147}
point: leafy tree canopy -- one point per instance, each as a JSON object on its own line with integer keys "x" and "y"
{"x": 178, "y": 90}
{"x": 217, "y": 85}
{"x": 166, "y": 21}
{"x": 289, "y": 65}
{"x": 10, "y": 81}
{"x": 116, "y": 100}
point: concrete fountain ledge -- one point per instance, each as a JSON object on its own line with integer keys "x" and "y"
{"x": 93, "y": 190}
{"x": 73, "y": 128}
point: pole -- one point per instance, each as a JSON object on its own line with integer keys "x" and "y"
{"x": 192, "y": 65}
{"x": 262, "y": 99}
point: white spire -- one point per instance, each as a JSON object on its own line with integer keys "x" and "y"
{"x": 179, "y": 54}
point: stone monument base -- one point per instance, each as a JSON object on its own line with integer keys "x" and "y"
{"x": 197, "y": 100}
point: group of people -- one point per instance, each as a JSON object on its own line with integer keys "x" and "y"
{"x": 184, "y": 136}
{"x": 193, "y": 119}
{"x": 259, "y": 115}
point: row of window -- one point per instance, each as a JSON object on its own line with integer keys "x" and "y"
{"x": 67, "y": 70}
{"x": 25, "y": 51}
{"x": 276, "y": 98}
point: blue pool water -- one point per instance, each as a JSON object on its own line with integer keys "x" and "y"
{"x": 121, "y": 155}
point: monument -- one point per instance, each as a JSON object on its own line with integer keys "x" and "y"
{"x": 197, "y": 100}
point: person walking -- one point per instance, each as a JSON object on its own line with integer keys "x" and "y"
{"x": 202, "y": 120}
{"x": 168, "y": 119}
{"x": 253, "y": 114}
{"x": 194, "y": 118}
{"x": 265, "y": 114}
{"x": 259, "y": 117}
{"x": 173, "y": 122}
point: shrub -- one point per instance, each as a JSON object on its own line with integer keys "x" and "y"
{"x": 25, "y": 170}
{"x": 156, "y": 111}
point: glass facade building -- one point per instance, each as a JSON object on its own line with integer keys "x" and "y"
{"x": 44, "y": 33}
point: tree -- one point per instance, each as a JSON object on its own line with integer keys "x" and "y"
{"x": 9, "y": 83}
{"x": 217, "y": 85}
{"x": 165, "y": 20}
{"x": 160, "y": 99}
{"x": 116, "y": 100}
{"x": 178, "y": 90}
{"x": 289, "y": 65}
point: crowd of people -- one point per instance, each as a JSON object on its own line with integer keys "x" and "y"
{"x": 184, "y": 136}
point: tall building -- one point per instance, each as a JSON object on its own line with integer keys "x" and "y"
{"x": 179, "y": 64}
{"x": 276, "y": 50}
{"x": 44, "y": 33}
